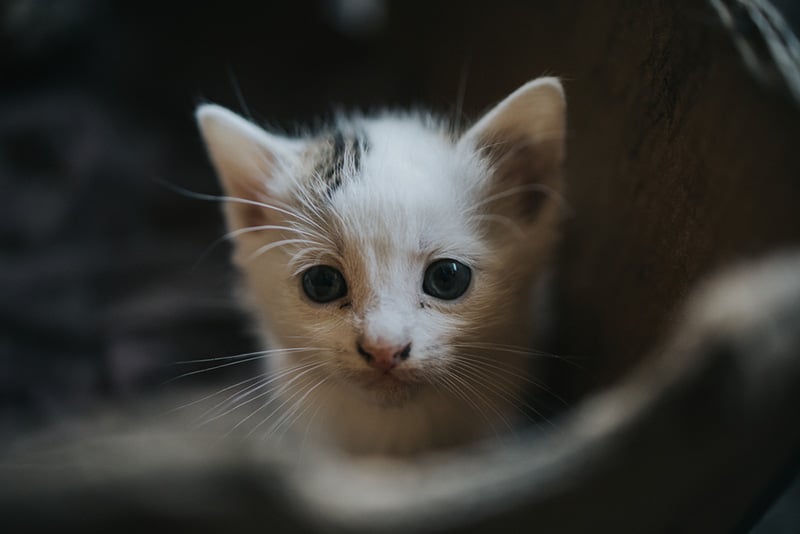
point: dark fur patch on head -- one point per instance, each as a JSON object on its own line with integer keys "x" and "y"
{"x": 341, "y": 149}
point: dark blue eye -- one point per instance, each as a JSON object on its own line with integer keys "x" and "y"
{"x": 323, "y": 283}
{"x": 446, "y": 279}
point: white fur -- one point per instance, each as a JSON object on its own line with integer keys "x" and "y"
{"x": 417, "y": 196}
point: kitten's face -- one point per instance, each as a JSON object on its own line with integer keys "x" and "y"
{"x": 387, "y": 250}
{"x": 396, "y": 264}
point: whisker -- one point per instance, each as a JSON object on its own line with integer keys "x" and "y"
{"x": 269, "y": 379}
{"x": 211, "y": 395}
{"x": 480, "y": 375}
{"x": 249, "y": 229}
{"x": 278, "y": 207}
{"x": 243, "y": 355}
{"x": 511, "y": 397}
{"x": 258, "y": 356}
{"x": 263, "y": 227}
{"x": 466, "y": 381}
{"x": 223, "y": 198}
{"x": 238, "y": 91}
{"x": 223, "y": 408}
{"x": 522, "y": 351}
{"x": 462, "y": 90}
{"x": 505, "y": 221}
{"x": 308, "y": 427}
{"x": 526, "y": 188}
{"x": 291, "y": 414}
{"x": 281, "y": 388}
{"x": 456, "y": 387}
{"x": 488, "y": 362}
{"x": 275, "y": 244}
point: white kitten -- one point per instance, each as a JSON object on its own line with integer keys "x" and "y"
{"x": 392, "y": 263}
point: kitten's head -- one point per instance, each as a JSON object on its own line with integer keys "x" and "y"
{"x": 389, "y": 247}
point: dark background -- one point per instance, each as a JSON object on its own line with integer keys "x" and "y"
{"x": 680, "y": 162}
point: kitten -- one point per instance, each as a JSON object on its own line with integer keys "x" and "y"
{"x": 391, "y": 263}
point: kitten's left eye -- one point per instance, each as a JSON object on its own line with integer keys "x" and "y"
{"x": 323, "y": 283}
{"x": 446, "y": 279}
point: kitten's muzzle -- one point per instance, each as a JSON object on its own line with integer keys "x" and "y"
{"x": 384, "y": 356}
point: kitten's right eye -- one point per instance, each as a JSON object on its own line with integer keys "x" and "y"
{"x": 323, "y": 283}
{"x": 446, "y": 279}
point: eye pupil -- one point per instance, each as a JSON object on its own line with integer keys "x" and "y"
{"x": 323, "y": 283}
{"x": 446, "y": 279}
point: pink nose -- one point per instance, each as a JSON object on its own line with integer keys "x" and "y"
{"x": 385, "y": 356}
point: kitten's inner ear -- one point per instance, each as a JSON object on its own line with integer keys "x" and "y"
{"x": 523, "y": 138}
{"x": 249, "y": 162}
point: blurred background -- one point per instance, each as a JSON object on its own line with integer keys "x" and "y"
{"x": 680, "y": 161}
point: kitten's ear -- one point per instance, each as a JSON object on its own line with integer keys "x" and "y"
{"x": 523, "y": 138}
{"x": 249, "y": 162}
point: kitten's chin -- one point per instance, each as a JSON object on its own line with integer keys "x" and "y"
{"x": 388, "y": 390}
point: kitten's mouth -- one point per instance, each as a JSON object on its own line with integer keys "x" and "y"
{"x": 380, "y": 379}
{"x": 392, "y": 384}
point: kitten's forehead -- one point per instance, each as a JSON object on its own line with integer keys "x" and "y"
{"x": 407, "y": 152}
{"x": 392, "y": 154}
{"x": 410, "y": 186}
{"x": 393, "y": 162}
